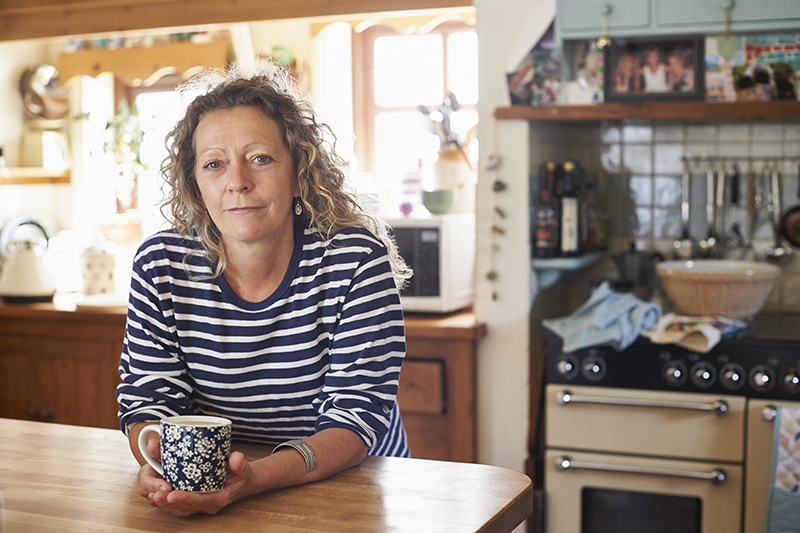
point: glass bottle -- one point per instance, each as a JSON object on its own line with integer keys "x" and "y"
{"x": 570, "y": 214}
{"x": 548, "y": 235}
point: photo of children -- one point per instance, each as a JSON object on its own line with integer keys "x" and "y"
{"x": 651, "y": 70}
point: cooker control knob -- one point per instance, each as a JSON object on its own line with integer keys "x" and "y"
{"x": 762, "y": 378}
{"x": 732, "y": 376}
{"x": 791, "y": 381}
{"x": 567, "y": 365}
{"x": 703, "y": 374}
{"x": 675, "y": 373}
{"x": 593, "y": 368}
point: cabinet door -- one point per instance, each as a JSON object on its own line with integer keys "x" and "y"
{"x": 587, "y": 16}
{"x": 760, "y": 431}
{"x": 709, "y": 15}
{"x": 62, "y": 381}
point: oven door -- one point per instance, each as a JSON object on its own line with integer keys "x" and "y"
{"x": 760, "y": 434}
{"x": 602, "y": 493}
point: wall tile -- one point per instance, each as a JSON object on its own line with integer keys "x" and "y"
{"x": 734, "y": 132}
{"x": 667, "y": 191}
{"x": 792, "y": 132}
{"x": 733, "y": 149}
{"x": 641, "y": 188}
{"x": 643, "y": 221}
{"x": 767, "y": 133}
{"x": 637, "y": 134}
{"x": 637, "y": 158}
{"x": 666, "y": 223}
{"x": 611, "y": 134}
{"x": 701, "y": 133}
{"x": 760, "y": 149}
{"x": 669, "y": 133}
{"x": 667, "y": 158}
{"x": 611, "y": 158}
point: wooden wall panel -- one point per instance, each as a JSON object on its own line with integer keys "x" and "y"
{"x": 30, "y": 19}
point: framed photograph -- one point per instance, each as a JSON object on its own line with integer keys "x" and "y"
{"x": 655, "y": 69}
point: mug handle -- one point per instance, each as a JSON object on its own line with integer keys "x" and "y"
{"x": 143, "y": 446}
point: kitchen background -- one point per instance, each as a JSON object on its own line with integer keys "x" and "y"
{"x": 640, "y": 189}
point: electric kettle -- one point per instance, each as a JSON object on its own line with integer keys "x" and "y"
{"x": 24, "y": 277}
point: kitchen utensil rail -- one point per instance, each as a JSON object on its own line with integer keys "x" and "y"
{"x": 564, "y": 463}
{"x": 565, "y": 397}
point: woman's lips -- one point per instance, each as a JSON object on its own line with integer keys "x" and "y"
{"x": 243, "y": 210}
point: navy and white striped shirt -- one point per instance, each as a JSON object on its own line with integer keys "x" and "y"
{"x": 324, "y": 350}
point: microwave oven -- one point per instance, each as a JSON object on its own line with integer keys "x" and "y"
{"x": 440, "y": 249}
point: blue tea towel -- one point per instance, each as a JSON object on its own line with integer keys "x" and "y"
{"x": 783, "y": 506}
{"x": 606, "y": 318}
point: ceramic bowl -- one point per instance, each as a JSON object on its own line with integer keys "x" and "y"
{"x": 438, "y": 202}
{"x": 702, "y": 287}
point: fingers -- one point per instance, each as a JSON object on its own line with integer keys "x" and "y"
{"x": 154, "y": 448}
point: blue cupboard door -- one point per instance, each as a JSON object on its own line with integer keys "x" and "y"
{"x": 746, "y": 15}
{"x": 586, "y": 16}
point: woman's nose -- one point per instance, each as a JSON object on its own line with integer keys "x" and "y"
{"x": 239, "y": 178}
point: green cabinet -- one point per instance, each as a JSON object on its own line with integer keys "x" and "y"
{"x": 583, "y": 19}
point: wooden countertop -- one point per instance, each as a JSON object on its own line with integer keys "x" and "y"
{"x": 68, "y": 478}
{"x": 68, "y": 308}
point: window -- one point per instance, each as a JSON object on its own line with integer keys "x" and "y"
{"x": 399, "y": 73}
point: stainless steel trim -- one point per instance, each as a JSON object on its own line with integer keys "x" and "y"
{"x": 564, "y": 463}
{"x": 769, "y": 413}
{"x": 718, "y": 407}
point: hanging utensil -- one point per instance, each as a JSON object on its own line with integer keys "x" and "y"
{"x": 684, "y": 246}
{"x": 709, "y": 245}
{"x": 790, "y": 221}
{"x": 777, "y": 253}
{"x": 735, "y": 237}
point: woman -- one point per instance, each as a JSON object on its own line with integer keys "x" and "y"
{"x": 272, "y": 302}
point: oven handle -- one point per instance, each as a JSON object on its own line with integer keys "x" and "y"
{"x": 564, "y": 463}
{"x": 718, "y": 407}
{"x": 769, "y": 413}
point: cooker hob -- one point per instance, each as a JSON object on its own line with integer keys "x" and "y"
{"x": 764, "y": 362}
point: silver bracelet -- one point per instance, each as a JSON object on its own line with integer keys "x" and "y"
{"x": 305, "y": 450}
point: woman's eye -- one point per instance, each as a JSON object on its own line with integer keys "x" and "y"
{"x": 263, "y": 159}
{"x": 211, "y": 165}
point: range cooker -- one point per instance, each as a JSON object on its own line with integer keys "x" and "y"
{"x": 658, "y": 438}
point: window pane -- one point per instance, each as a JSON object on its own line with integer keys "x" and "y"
{"x": 400, "y": 142}
{"x": 462, "y": 66}
{"x": 408, "y": 70}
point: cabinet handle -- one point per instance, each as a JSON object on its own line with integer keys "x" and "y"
{"x": 564, "y": 463}
{"x": 718, "y": 407}
{"x": 769, "y": 413}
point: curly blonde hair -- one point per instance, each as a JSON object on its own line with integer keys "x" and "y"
{"x": 328, "y": 206}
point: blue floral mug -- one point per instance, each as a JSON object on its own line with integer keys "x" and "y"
{"x": 194, "y": 451}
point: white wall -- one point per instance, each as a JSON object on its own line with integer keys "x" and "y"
{"x": 503, "y": 356}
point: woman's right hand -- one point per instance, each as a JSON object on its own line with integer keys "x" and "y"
{"x": 151, "y": 481}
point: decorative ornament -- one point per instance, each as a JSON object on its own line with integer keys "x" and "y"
{"x": 298, "y": 209}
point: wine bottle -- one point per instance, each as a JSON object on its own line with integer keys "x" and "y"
{"x": 548, "y": 218}
{"x": 570, "y": 214}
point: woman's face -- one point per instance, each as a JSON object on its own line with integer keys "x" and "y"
{"x": 245, "y": 175}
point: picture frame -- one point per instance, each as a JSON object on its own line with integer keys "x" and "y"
{"x": 655, "y": 69}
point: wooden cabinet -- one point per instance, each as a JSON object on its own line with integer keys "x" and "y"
{"x": 583, "y": 19}
{"x": 59, "y": 366}
{"x": 437, "y": 386}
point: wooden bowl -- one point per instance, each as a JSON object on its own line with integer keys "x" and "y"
{"x": 703, "y": 287}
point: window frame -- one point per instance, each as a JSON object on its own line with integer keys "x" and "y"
{"x": 364, "y": 108}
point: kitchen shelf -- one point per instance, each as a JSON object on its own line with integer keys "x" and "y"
{"x": 551, "y": 269}
{"x": 653, "y": 110}
{"x": 32, "y": 175}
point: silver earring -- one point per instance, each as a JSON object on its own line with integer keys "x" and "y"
{"x": 298, "y": 209}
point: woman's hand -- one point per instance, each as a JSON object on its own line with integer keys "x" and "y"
{"x": 239, "y": 483}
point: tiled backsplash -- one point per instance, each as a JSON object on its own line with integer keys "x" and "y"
{"x": 638, "y": 169}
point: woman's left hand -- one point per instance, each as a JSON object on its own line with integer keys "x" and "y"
{"x": 179, "y": 503}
